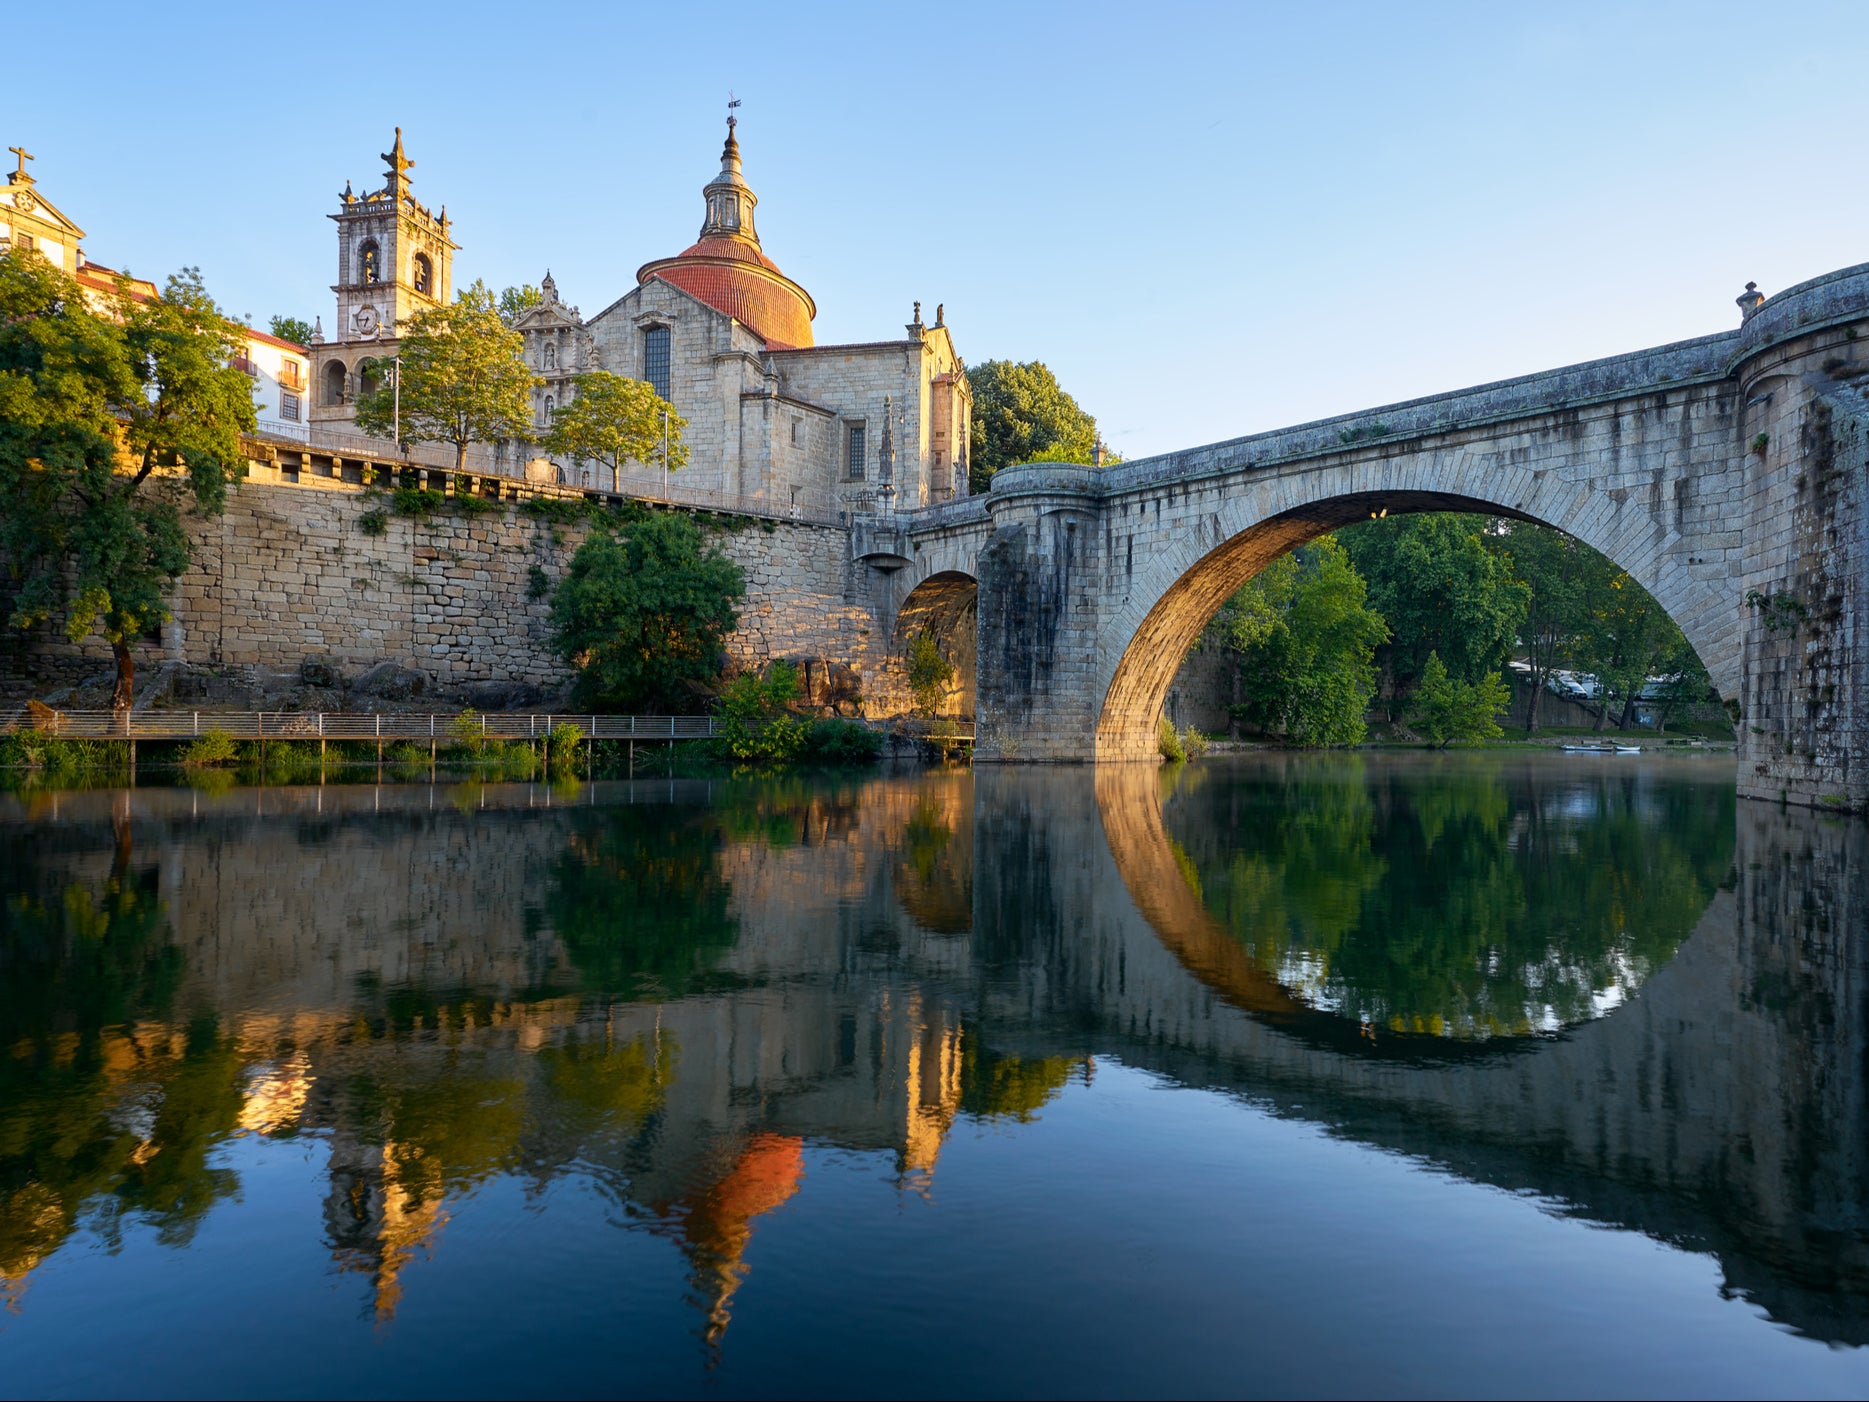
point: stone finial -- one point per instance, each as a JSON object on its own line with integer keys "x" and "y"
{"x": 1096, "y": 452}
{"x": 1749, "y": 302}
{"x": 396, "y": 161}
{"x": 915, "y": 327}
{"x": 347, "y": 196}
{"x": 548, "y": 290}
{"x": 940, "y": 313}
{"x": 317, "y": 336}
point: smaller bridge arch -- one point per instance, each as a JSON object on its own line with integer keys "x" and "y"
{"x": 945, "y": 604}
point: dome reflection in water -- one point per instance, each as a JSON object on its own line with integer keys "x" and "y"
{"x": 670, "y": 1086}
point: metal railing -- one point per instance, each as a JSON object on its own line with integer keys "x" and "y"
{"x": 342, "y": 725}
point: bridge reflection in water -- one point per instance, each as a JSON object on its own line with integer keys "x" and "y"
{"x": 1623, "y": 992}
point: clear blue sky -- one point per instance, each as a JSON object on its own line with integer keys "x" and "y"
{"x": 1208, "y": 219}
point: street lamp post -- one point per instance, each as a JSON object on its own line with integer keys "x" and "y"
{"x": 665, "y": 453}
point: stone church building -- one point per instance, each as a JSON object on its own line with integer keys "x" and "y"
{"x": 776, "y": 422}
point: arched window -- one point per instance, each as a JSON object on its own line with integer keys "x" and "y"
{"x": 655, "y": 358}
{"x": 424, "y": 275}
{"x": 369, "y": 377}
{"x": 551, "y": 356}
{"x": 334, "y": 382}
{"x": 369, "y": 262}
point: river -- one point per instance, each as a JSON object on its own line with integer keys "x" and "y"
{"x": 1415, "y": 1074}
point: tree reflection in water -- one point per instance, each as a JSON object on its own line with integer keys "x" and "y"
{"x": 1461, "y": 900}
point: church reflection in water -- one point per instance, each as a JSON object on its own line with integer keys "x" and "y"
{"x": 1614, "y": 990}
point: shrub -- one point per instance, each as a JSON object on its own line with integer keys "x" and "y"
{"x": 756, "y": 716}
{"x": 467, "y": 735}
{"x": 211, "y": 747}
{"x": 561, "y": 745}
{"x": 1446, "y": 710}
{"x": 842, "y": 742}
{"x": 406, "y": 752}
{"x": 1193, "y": 742}
{"x": 375, "y": 521}
{"x": 1168, "y": 739}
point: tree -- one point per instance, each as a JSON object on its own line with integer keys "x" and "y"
{"x": 1626, "y": 638}
{"x": 643, "y": 614}
{"x": 515, "y": 302}
{"x": 1552, "y": 566}
{"x": 1021, "y": 414}
{"x": 1441, "y": 590}
{"x": 1448, "y": 709}
{"x": 463, "y": 379}
{"x": 929, "y": 673}
{"x": 108, "y": 423}
{"x": 757, "y": 721}
{"x": 1304, "y": 641}
{"x": 614, "y": 420}
{"x": 293, "y": 329}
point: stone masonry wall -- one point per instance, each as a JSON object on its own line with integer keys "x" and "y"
{"x": 288, "y": 575}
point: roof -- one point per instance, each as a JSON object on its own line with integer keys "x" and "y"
{"x": 777, "y": 309}
{"x": 266, "y": 339}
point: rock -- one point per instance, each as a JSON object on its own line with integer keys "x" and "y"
{"x": 316, "y": 671}
{"x": 392, "y": 682}
{"x": 501, "y": 696}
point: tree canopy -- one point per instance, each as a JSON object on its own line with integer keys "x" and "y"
{"x": 613, "y": 420}
{"x": 1022, "y": 414}
{"x": 515, "y": 302}
{"x": 292, "y": 328}
{"x": 1304, "y": 643}
{"x": 463, "y": 379}
{"x": 1442, "y": 590}
{"x": 110, "y": 422}
{"x": 643, "y": 614}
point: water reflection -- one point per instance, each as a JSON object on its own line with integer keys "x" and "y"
{"x": 670, "y": 993}
{"x": 1467, "y": 899}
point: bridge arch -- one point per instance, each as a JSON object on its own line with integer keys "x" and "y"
{"x": 1184, "y": 583}
{"x": 945, "y": 603}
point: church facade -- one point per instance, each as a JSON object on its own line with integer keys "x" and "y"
{"x": 775, "y": 422}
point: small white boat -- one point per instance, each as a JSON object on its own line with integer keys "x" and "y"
{"x": 1607, "y": 748}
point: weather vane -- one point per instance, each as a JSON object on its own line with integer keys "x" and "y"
{"x": 732, "y": 102}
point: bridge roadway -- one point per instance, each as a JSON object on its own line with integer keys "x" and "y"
{"x": 1726, "y": 474}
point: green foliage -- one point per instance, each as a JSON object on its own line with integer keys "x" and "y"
{"x": 994, "y": 1085}
{"x": 640, "y": 903}
{"x": 929, "y": 673}
{"x": 563, "y": 744}
{"x": 374, "y": 522}
{"x": 1168, "y": 741}
{"x": 756, "y": 718}
{"x": 416, "y": 502}
{"x": 1441, "y": 589}
{"x": 1447, "y": 709}
{"x": 209, "y": 748}
{"x": 842, "y": 742}
{"x": 467, "y": 736}
{"x": 293, "y": 329}
{"x": 60, "y": 760}
{"x": 1304, "y": 640}
{"x": 613, "y": 421}
{"x": 1021, "y": 414}
{"x": 538, "y": 583}
{"x": 515, "y": 302}
{"x": 1456, "y": 900}
{"x": 109, "y": 425}
{"x": 1193, "y": 742}
{"x": 463, "y": 379}
{"x": 643, "y": 615}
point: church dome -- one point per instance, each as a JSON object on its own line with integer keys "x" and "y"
{"x": 726, "y": 268}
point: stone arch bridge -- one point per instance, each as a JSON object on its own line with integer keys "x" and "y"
{"x": 1726, "y": 474}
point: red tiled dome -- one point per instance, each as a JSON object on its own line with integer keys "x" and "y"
{"x": 734, "y": 277}
{"x": 726, "y": 268}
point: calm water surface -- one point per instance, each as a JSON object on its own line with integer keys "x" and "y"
{"x": 1411, "y": 1075}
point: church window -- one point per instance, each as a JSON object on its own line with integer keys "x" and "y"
{"x": 551, "y": 356}
{"x": 369, "y": 378}
{"x": 655, "y": 359}
{"x": 25, "y": 240}
{"x": 369, "y": 262}
{"x": 424, "y": 275}
{"x": 798, "y": 432}
{"x": 334, "y": 382}
{"x": 855, "y": 452}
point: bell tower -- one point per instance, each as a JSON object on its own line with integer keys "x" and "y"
{"x": 394, "y": 259}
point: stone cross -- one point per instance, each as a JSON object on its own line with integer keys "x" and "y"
{"x": 20, "y": 177}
